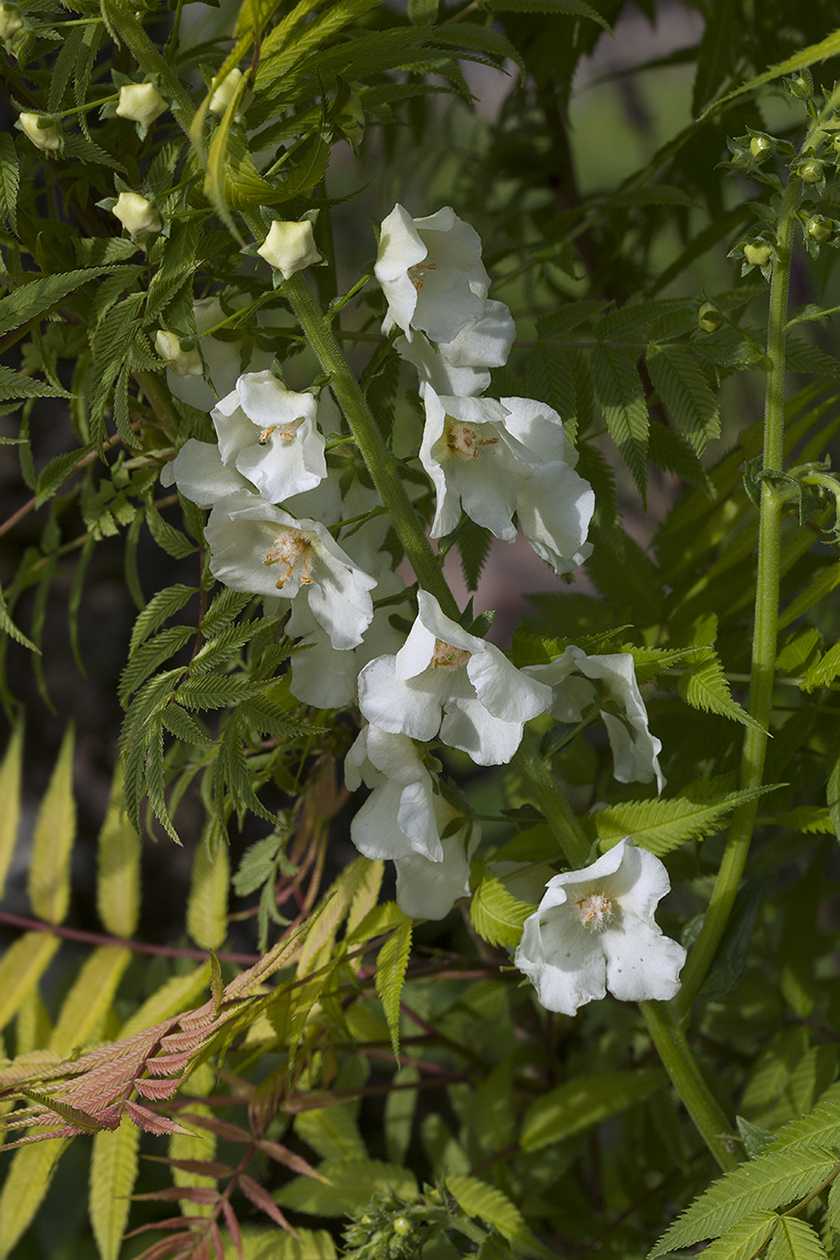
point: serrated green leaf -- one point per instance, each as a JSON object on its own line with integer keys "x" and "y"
{"x": 14, "y": 385}
{"x": 10, "y": 781}
{"x": 207, "y": 904}
{"x": 662, "y": 825}
{"x": 55, "y": 831}
{"x": 9, "y": 180}
{"x": 37, "y": 296}
{"x": 496, "y": 914}
{"x": 167, "y": 537}
{"x": 584, "y": 1102}
{"x": 704, "y": 686}
{"x": 823, "y": 671}
{"x": 491, "y": 1205}
{"x": 159, "y": 609}
{"x": 823, "y": 584}
{"x": 622, "y": 401}
{"x": 118, "y": 865}
{"x": 26, "y": 1184}
{"x": 7, "y": 626}
{"x": 150, "y": 655}
{"x": 684, "y": 390}
{"x": 564, "y": 8}
{"x": 744, "y": 1240}
{"x": 795, "y": 1239}
{"x": 391, "y": 965}
{"x": 113, "y": 1172}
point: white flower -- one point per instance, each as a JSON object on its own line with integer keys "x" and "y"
{"x": 198, "y": 472}
{"x": 635, "y": 750}
{"x": 10, "y": 22}
{"x": 260, "y": 548}
{"x": 181, "y": 362}
{"x": 474, "y": 461}
{"x": 137, "y": 215}
{"x": 448, "y": 681}
{"x": 460, "y": 366}
{"x": 141, "y": 102}
{"x": 328, "y": 679}
{"x": 402, "y": 821}
{"x": 289, "y": 247}
{"x": 42, "y": 133}
{"x": 431, "y": 273}
{"x": 594, "y": 930}
{"x": 554, "y": 504}
{"x": 269, "y": 434}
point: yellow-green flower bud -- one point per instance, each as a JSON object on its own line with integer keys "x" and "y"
{"x": 181, "y": 362}
{"x": 223, "y": 93}
{"x": 760, "y": 146}
{"x": 709, "y": 317}
{"x": 818, "y": 228}
{"x": 757, "y": 253}
{"x": 10, "y": 22}
{"x": 137, "y": 215}
{"x": 810, "y": 171}
{"x": 45, "y": 136}
{"x": 289, "y": 247}
{"x": 401, "y": 1225}
{"x": 801, "y": 85}
{"x": 141, "y": 102}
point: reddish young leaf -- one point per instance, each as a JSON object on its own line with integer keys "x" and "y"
{"x": 233, "y": 1226}
{"x": 206, "y": 1167}
{"x": 290, "y": 1160}
{"x": 261, "y": 1199}
{"x": 150, "y": 1121}
{"x": 191, "y": 1194}
{"x": 157, "y": 1091}
{"x": 231, "y": 1132}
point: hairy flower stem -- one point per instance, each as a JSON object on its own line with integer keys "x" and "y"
{"x": 766, "y": 615}
{"x": 685, "y": 1075}
{"x": 372, "y": 446}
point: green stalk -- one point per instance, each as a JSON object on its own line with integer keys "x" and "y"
{"x": 766, "y": 616}
{"x": 679, "y": 1063}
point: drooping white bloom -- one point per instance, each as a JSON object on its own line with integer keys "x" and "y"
{"x": 448, "y": 682}
{"x": 269, "y": 434}
{"x": 635, "y": 749}
{"x": 431, "y": 272}
{"x": 554, "y": 505}
{"x": 137, "y": 215}
{"x": 460, "y": 366}
{"x": 594, "y": 930}
{"x": 402, "y": 821}
{"x": 474, "y": 461}
{"x": 289, "y": 247}
{"x": 43, "y": 134}
{"x": 257, "y": 547}
{"x": 324, "y": 677}
{"x": 141, "y": 102}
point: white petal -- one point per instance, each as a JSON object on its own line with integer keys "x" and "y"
{"x": 490, "y": 741}
{"x": 555, "y": 508}
{"x": 200, "y": 475}
{"x": 642, "y": 964}
{"x": 388, "y": 702}
{"x": 566, "y": 966}
{"x": 538, "y": 427}
{"x": 503, "y": 689}
{"x": 428, "y": 890}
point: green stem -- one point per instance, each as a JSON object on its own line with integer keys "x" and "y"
{"x": 766, "y": 616}
{"x": 535, "y": 772}
{"x": 685, "y": 1075}
{"x": 368, "y": 437}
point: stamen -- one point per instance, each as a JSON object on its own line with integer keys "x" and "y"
{"x": 415, "y": 273}
{"x": 463, "y": 440}
{"x": 448, "y": 657}
{"x": 294, "y": 550}
{"x": 266, "y": 434}
{"x": 595, "y": 909}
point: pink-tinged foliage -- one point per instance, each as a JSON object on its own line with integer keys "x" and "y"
{"x": 233, "y": 1227}
{"x": 290, "y": 1160}
{"x": 261, "y": 1199}
{"x": 93, "y": 1092}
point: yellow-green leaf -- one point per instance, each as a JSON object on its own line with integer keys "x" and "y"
{"x": 208, "y": 900}
{"x": 181, "y": 993}
{"x": 10, "y": 796}
{"x": 496, "y": 914}
{"x": 118, "y": 883}
{"x": 55, "y": 830}
{"x": 489, "y": 1204}
{"x": 87, "y": 1003}
{"x": 584, "y": 1102}
{"x": 26, "y": 1184}
{"x": 21, "y": 968}
{"x": 390, "y": 973}
{"x": 113, "y": 1172}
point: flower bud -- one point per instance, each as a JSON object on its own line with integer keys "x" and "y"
{"x": 757, "y": 253}
{"x": 819, "y": 228}
{"x": 810, "y": 171}
{"x": 401, "y": 1225}
{"x": 223, "y": 93}
{"x": 801, "y": 85}
{"x": 137, "y": 215}
{"x": 760, "y": 146}
{"x": 709, "y": 317}
{"x": 835, "y": 144}
{"x": 141, "y": 102}
{"x": 10, "y": 22}
{"x": 45, "y": 137}
{"x": 289, "y": 247}
{"x": 181, "y": 362}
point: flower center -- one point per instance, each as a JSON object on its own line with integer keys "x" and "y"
{"x": 595, "y": 910}
{"x": 415, "y": 273}
{"x": 463, "y": 440}
{"x": 288, "y": 430}
{"x": 448, "y": 657}
{"x": 294, "y": 550}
